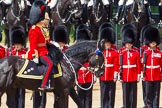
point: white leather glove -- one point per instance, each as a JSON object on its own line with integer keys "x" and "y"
{"x": 36, "y": 60}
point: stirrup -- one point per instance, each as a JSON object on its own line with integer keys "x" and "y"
{"x": 151, "y": 21}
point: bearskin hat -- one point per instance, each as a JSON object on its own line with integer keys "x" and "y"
{"x": 37, "y": 12}
{"x": 108, "y": 34}
{"x": 142, "y": 31}
{"x": 83, "y": 33}
{"x": 151, "y": 34}
{"x": 102, "y": 26}
{"x": 61, "y": 34}
{"x": 128, "y": 36}
{"x": 18, "y": 35}
{"x": 126, "y": 26}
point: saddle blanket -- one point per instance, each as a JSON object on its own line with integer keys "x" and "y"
{"x": 30, "y": 70}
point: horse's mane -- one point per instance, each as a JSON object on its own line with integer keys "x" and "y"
{"x": 81, "y": 47}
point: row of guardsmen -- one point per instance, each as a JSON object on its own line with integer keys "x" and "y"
{"x": 129, "y": 64}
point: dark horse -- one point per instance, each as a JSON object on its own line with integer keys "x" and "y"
{"x": 137, "y": 16}
{"x": 64, "y": 86}
{"x": 63, "y": 13}
{"x": 16, "y": 15}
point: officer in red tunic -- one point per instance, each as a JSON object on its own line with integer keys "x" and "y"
{"x": 84, "y": 76}
{"x": 111, "y": 63}
{"x": 2, "y": 49}
{"x": 38, "y": 41}
{"x": 152, "y": 74}
{"x": 131, "y": 68}
{"x": 18, "y": 41}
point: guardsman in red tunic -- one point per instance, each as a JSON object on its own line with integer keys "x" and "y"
{"x": 84, "y": 76}
{"x": 38, "y": 40}
{"x": 111, "y": 63}
{"x": 131, "y": 68}
{"x": 18, "y": 41}
{"x": 152, "y": 70}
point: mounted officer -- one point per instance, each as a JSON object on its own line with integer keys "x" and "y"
{"x": 39, "y": 38}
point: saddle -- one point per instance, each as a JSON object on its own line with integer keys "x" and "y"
{"x": 32, "y": 70}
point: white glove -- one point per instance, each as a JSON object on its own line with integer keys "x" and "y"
{"x": 36, "y": 60}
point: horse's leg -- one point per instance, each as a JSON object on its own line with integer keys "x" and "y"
{"x": 37, "y": 99}
{"x": 11, "y": 98}
{"x": 75, "y": 98}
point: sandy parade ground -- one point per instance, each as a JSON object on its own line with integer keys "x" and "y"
{"x": 96, "y": 98}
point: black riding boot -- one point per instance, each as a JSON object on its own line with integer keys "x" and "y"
{"x": 107, "y": 10}
{"x": 148, "y": 12}
{"x": 4, "y": 7}
{"x": 118, "y": 14}
{"x": 160, "y": 13}
{"x": 84, "y": 14}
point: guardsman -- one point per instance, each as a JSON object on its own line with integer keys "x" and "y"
{"x": 85, "y": 77}
{"x": 18, "y": 41}
{"x": 38, "y": 40}
{"x": 130, "y": 68}
{"x": 111, "y": 63}
{"x": 152, "y": 67}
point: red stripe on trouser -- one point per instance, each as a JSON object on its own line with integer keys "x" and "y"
{"x": 45, "y": 79}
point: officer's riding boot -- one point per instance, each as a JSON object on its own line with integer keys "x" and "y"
{"x": 148, "y": 12}
{"x": 84, "y": 13}
{"x": 89, "y": 13}
{"x": 160, "y": 16}
{"x": 122, "y": 16}
{"x": 107, "y": 10}
{"x": 118, "y": 14}
{"x": 4, "y": 7}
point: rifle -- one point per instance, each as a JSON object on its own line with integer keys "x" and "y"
{"x": 144, "y": 64}
{"x": 121, "y": 66}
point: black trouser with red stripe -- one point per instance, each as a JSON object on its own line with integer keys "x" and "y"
{"x": 152, "y": 94}
{"x": 108, "y": 89}
{"x": 85, "y": 96}
{"x": 129, "y": 94}
{"x": 144, "y": 92}
{"x": 45, "y": 60}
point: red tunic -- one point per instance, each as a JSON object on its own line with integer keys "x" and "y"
{"x": 111, "y": 64}
{"x": 2, "y": 52}
{"x": 153, "y": 65}
{"x": 37, "y": 42}
{"x": 15, "y": 52}
{"x": 64, "y": 48}
{"x": 83, "y": 75}
{"x": 131, "y": 65}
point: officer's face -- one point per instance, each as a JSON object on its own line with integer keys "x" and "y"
{"x": 152, "y": 44}
{"x": 107, "y": 45}
{"x": 128, "y": 45}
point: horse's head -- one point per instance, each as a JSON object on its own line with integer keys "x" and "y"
{"x": 79, "y": 53}
{"x": 96, "y": 61}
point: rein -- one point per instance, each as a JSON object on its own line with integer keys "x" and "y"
{"x": 73, "y": 70}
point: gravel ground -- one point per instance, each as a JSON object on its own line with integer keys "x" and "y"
{"x": 96, "y": 98}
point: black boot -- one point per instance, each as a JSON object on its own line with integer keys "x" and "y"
{"x": 4, "y": 7}
{"x": 148, "y": 12}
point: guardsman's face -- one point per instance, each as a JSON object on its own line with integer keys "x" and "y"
{"x": 128, "y": 45}
{"x": 152, "y": 44}
{"x": 18, "y": 46}
{"x": 107, "y": 45}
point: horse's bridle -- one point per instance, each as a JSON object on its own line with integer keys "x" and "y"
{"x": 19, "y": 11}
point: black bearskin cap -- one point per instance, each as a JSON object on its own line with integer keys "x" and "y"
{"x": 61, "y": 34}
{"x": 18, "y": 35}
{"x": 108, "y": 34}
{"x": 83, "y": 33}
{"x": 102, "y": 26}
{"x": 128, "y": 36}
{"x": 37, "y": 12}
{"x": 151, "y": 34}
